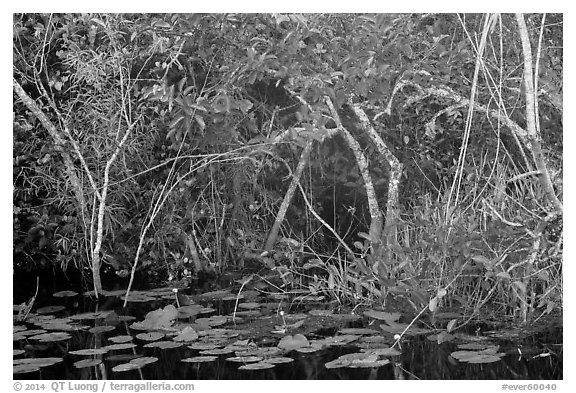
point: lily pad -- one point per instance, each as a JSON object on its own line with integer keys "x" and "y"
{"x": 87, "y": 363}
{"x": 24, "y": 368}
{"x": 65, "y": 294}
{"x": 383, "y": 351}
{"x": 125, "y": 367}
{"x": 89, "y": 351}
{"x": 382, "y": 315}
{"x": 101, "y": 329}
{"x": 151, "y": 336}
{"x": 337, "y": 363}
{"x": 279, "y": 360}
{"x": 217, "y": 351}
{"x": 262, "y": 352}
{"x": 38, "y": 362}
{"x": 120, "y": 339}
{"x": 202, "y": 346}
{"x": 487, "y": 355}
{"x": 163, "y": 345}
{"x": 200, "y": 359}
{"x": 119, "y": 346}
{"x": 188, "y": 334}
{"x": 50, "y": 309}
{"x": 249, "y": 306}
{"x": 293, "y": 342}
{"x": 340, "y": 340}
{"x": 477, "y": 346}
{"x": 51, "y": 337}
{"x": 320, "y": 312}
{"x": 90, "y": 315}
{"x": 158, "y": 319}
{"x": 359, "y": 331}
{"x": 244, "y": 359}
{"x": 17, "y": 352}
{"x": 142, "y": 361}
{"x": 257, "y": 366}
{"x": 215, "y": 294}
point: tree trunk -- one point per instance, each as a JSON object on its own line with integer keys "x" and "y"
{"x": 376, "y": 218}
{"x": 273, "y": 235}
{"x": 533, "y": 136}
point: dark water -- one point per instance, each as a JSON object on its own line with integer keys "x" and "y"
{"x": 420, "y": 357}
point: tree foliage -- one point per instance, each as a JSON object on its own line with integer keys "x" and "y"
{"x": 196, "y": 123}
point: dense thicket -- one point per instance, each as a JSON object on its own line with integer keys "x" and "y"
{"x": 367, "y": 155}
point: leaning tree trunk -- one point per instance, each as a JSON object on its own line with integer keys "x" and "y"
{"x": 273, "y": 235}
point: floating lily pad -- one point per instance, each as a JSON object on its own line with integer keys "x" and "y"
{"x": 200, "y": 359}
{"x": 17, "y": 352}
{"x": 376, "y": 340}
{"x": 157, "y": 319}
{"x": 31, "y": 332}
{"x": 63, "y": 325}
{"x": 293, "y": 342}
{"x": 203, "y": 346}
{"x": 101, "y": 329}
{"x": 120, "y": 339}
{"x": 359, "y": 331}
{"x": 51, "y": 337}
{"x": 475, "y": 346}
{"x": 24, "y": 368}
{"x": 65, "y": 294}
{"x": 398, "y": 328}
{"x": 50, "y": 309}
{"x": 248, "y": 313}
{"x": 249, "y": 306}
{"x": 18, "y": 328}
{"x": 262, "y": 352}
{"x": 310, "y": 349}
{"x": 340, "y": 340}
{"x": 279, "y": 360}
{"x": 368, "y": 363}
{"x": 233, "y": 297}
{"x": 151, "y": 336}
{"x": 244, "y": 359}
{"x": 163, "y": 345}
{"x": 321, "y": 313}
{"x": 475, "y": 357}
{"x": 38, "y": 362}
{"x": 89, "y": 352}
{"x": 90, "y": 315}
{"x": 382, "y": 315}
{"x": 337, "y": 363}
{"x": 188, "y": 334}
{"x": 125, "y": 367}
{"x": 135, "y": 298}
{"x": 134, "y": 364}
{"x": 345, "y": 317}
{"x": 217, "y": 351}
{"x": 122, "y": 357}
{"x": 487, "y": 355}
{"x": 142, "y": 361}
{"x": 119, "y": 346}
{"x": 215, "y": 294}
{"x": 383, "y": 351}
{"x": 440, "y": 337}
{"x": 256, "y": 366}
{"x": 309, "y": 298}
{"x": 87, "y": 363}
